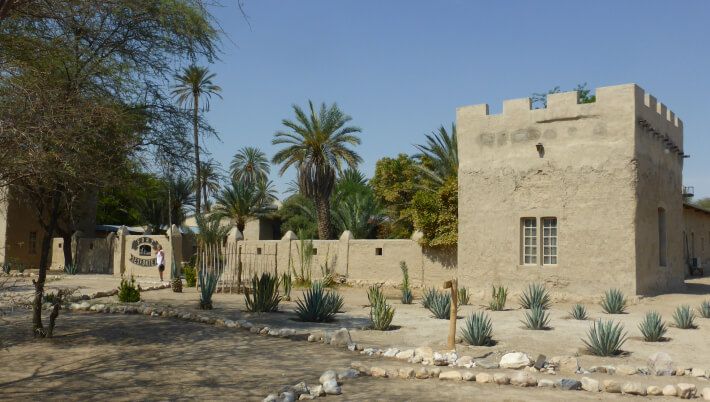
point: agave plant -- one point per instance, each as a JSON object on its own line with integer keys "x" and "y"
{"x": 6, "y": 267}
{"x": 429, "y": 295}
{"x": 265, "y": 297}
{"x": 374, "y": 293}
{"x": 579, "y": 312}
{"x": 684, "y": 317}
{"x": 614, "y": 302}
{"x": 440, "y": 305}
{"x": 537, "y": 319}
{"x": 287, "y": 284}
{"x": 652, "y": 327}
{"x": 407, "y": 296}
{"x": 71, "y": 269}
{"x": 705, "y": 309}
{"x": 318, "y": 304}
{"x": 463, "y": 297}
{"x": 605, "y": 338}
{"x": 381, "y": 314}
{"x": 536, "y": 295}
{"x": 497, "y": 303}
{"x": 477, "y": 329}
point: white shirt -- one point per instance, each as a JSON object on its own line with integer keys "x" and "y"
{"x": 160, "y": 257}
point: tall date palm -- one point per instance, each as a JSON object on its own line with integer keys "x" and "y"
{"x": 193, "y": 84}
{"x": 317, "y": 145}
{"x": 210, "y": 181}
{"x": 241, "y": 202}
{"x": 250, "y": 165}
{"x": 439, "y": 159}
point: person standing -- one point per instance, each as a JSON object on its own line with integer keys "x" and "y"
{"x": 160, "y": 260}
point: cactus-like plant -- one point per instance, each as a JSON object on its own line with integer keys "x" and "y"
{"x": 684, "y": 317}
{"x": 71, "y": 269}
{"x": 477, "y": 329}
{"x": 497, "y": 303}
{"x": 318, "y": 304}
{"x": 579, "y": 312}
{"x": 440, "y": 305}
{"x": 605, "y": 338}
{"x": 537, "y": 319}
{"x": 381, "y": 315}
{"x": 6, "y": 267}
{"x": 536, "y": 295}
{"x": 463, "y": 297}
{"x": 429, "y": 295}
{"x": 374, "y": 293}
{"x": 264, "y": 294}
{"x": 407, "y": 296}
{"x": 705, "y": 309}
{"x": 614, "y": 302}
{"x": 287, "y": 284}
{"x": 652, "y": 327}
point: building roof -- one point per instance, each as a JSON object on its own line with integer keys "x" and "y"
{"x": 696, "y": 208}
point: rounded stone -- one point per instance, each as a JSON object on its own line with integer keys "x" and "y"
{"x": 515, "y": 360}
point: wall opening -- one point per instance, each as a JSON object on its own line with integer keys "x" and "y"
{"x": 258, "y": 250}
{"x": 378, "y": 251}
{"x": 315, "y": 251}
{"x": 662, "y": 238}
{"x": 144, "y": 250}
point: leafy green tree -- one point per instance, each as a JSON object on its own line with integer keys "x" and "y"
{"x": 436, "y": 214}
{"x": 438, "y": 157}
{"x": 194, "y": 83}
{"x": 250, "y": 165}
{"x": 395, "y": 182}
{"x": 298, "y": 214}
{"x": 318, "y": 145}
{"x": 539, "y": 99}
{"x": 210, "y": 181}
{"x": 242, "y": 202}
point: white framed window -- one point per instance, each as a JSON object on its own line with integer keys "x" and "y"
{"x": 549, "y": 241}
{"x": 528, "y": 250}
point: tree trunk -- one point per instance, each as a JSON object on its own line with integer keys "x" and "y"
{"x": 37, "y": 327}
{"x": 323, "y": 211}
{"x": 198, "y": 183}
{"x": 66, "y": 249}
{"x": 204, "y": 194}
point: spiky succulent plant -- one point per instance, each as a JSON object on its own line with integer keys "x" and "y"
{"x": 440, "y": 305}
{"x": 705, "y": 309}
{"x": 264, "y": 294}
{"x": 652, "y": 327}
{"x": 477, "y": 330}
{"x": 684, "y": 317}
{"x": 500, "y": 294}
{"x": 536, "y": 318}
{"x": 318, "y": 304}
{"x": 536, "y": 295}
{"x": 463, "y": 297}
{"x": 381, "y": 315}
{"x": 614, "y": 302}
{"x": 605, "y": 338}
{"x": 579, "y": 312}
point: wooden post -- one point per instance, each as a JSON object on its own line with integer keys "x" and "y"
{"x": 454, "y": 286}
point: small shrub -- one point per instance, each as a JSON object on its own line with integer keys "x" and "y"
{"x": 209, "y": 277}
{"x": 50, "y": 297}
{"x": 579, "y": 312}
{"x": 605, "y": 338}
{"x": 440, "y": 305}
{"x": 705, "y": 309}
{"x": 71, "y": 269}
{"x": 6, "y": 267}
{"x": 128, "y": 292}
{"x": 652, "y": 327}
{"x": 536, "y": 295}
{"x": 536, "y": 318}
{"x": 318, "y": 304}
{"x": 190, "y": 275}
{"x": 264, "y": 296}
{"x": 374, "y": 293}
{"x": 20, "y": 267}
{"x": 429, "y": 295}
{"x": 407, "y": 296}
{"x": 497, "y": 303}
{"x": 381, "y": 315}
{"x": 684, "y": 317}
{"x": 477, "y": 329}
{"x": 287, "y": 284}
{"x": 614, "y": 302}
{"x": 463, "y": 297}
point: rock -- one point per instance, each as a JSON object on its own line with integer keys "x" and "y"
{"x": 484, "y": 378}
{"x": 686, "y": 391}
{"x": 84, "y": 305}
{"x": 653, "y": 390}
{"x": 254, "y": 330}
{"x": 306, "y": 397}
{"x": 378, "y": 372}
{"x": 626, "y": 370}
{"x": 341, "y": 338}
{"x": 698, "y": 372}
{"x": 523, "y": 379}
{"x": 464, "y": 361}
{"x": 706, "y": 394}
{"x": 670, "y": 390}
{"x": 450, "y": 375}
{"x": 425, "y": 352}
{"x": 611, "y": 386}
{"x": 271, "y": 398}
{"x": 440, "y": 360}
{"x": 565, "y": 364}
{"x": 416, "y": 360}
{"x": 327, "y": 376}
{"x": 590, "y": 384}
{"x": 569, "y": 384}
{"x": 468, "y": 376}
{"x": 434, "y": 372}
{"x": 545, "y": 383}
{"x": 603, "y": 369}
{"x": 514, "y": 360}
{"x": 301, "y": 388}
{"x": 287, "y": 396}
{"x": 422, "y": 373}
{"x": 312, "y": 338}
{"x": 391, "y": 352}
{"x": 360, "y": 367}
{"x": 406, "y": 373}
{"x": 405, "y": 354}
{"x": 348, "y": 374}
{"x": 487, "y": 364}
{"x": 633, "y": 388}
{"x": 317, "y": 391}
{"x": 501, "y": 379}
{"x": 286, "y": 332}
{"x": 540, "y": 362}
{"x": 331, "y": 387}
{"x": 352, "y": 347}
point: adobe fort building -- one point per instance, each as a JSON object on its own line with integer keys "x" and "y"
{"x": 583, "y": 197}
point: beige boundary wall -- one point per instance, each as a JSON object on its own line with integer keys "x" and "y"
{"x": 697, "y": 234}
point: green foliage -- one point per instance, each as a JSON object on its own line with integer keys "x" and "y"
{"x": 71, "y": 269}
{"x": 579, "y": 312}
{"x": 477, "y": 329}
{"x": 318, "y": 304}
{"x": 605, "y": 338}
{"x": 211, "y": 230}
{"x": 539, "y": 100}
{"x": 500, "y": 294}
{"x": 374, "y": 293}
{"x": 684, "y": 317}
{"x": 435, "y": 213}
{"x": 381, "y": 314}
{"x": 190, "y": 275}
{"x": 703, "y": 203}
{"x": 327, "y": 273}
{"x": 298, "y": 214}
{"x": 407, "y": 296}
{"x": 20, "y": 267}
{"x": 305, "y": 260}
{"x": 613, "y": 302}
{"x": 128, "y": 292}
{"x": 250, "y": 165}
{"x": 536, "y": 318}
{"x": 429, "y": 295}
{"x": 6, "y": 267}
{"x": 265, "y": 297}
{"x": 354, "y": 208}
{"x": 705, "y": 309}
{"x": 439, "y": 158}
{"x": 536, "y": 295}
{"x": 463, "y": 297}
{"x": 652, "y": 327}
{"x": 209, "y": 278}
{"x": 243, "y": 201}
{"x": 287, "y": 284}
{"x": 440, "y": 305}
{"x": 394, "y": 184}
{"x": 50, "y": 298}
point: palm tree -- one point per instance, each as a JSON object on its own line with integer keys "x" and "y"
{"x": 439, "y": 159}
{"x": 359, "y": 212}
{"x": 210, "y": 180}
{"x": 193, "y": 84}
{"x": 250, "y": 165}
{"x": 181, "y": 196}
{"x": 241, "y": 202}
{"x": 317, "y": 146}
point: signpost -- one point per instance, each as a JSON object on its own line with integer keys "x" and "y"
{"x": 454, "y": 286}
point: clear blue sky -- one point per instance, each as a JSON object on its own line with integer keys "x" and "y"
{"x": 400, "y": 68}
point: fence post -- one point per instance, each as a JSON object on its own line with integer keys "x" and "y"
{"x": 454, "y": 286}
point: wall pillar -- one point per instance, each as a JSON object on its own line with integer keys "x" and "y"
{"x": 119, "y": 251}
{"x": 283, "y": 258}
{"x": 343, "y": 261}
